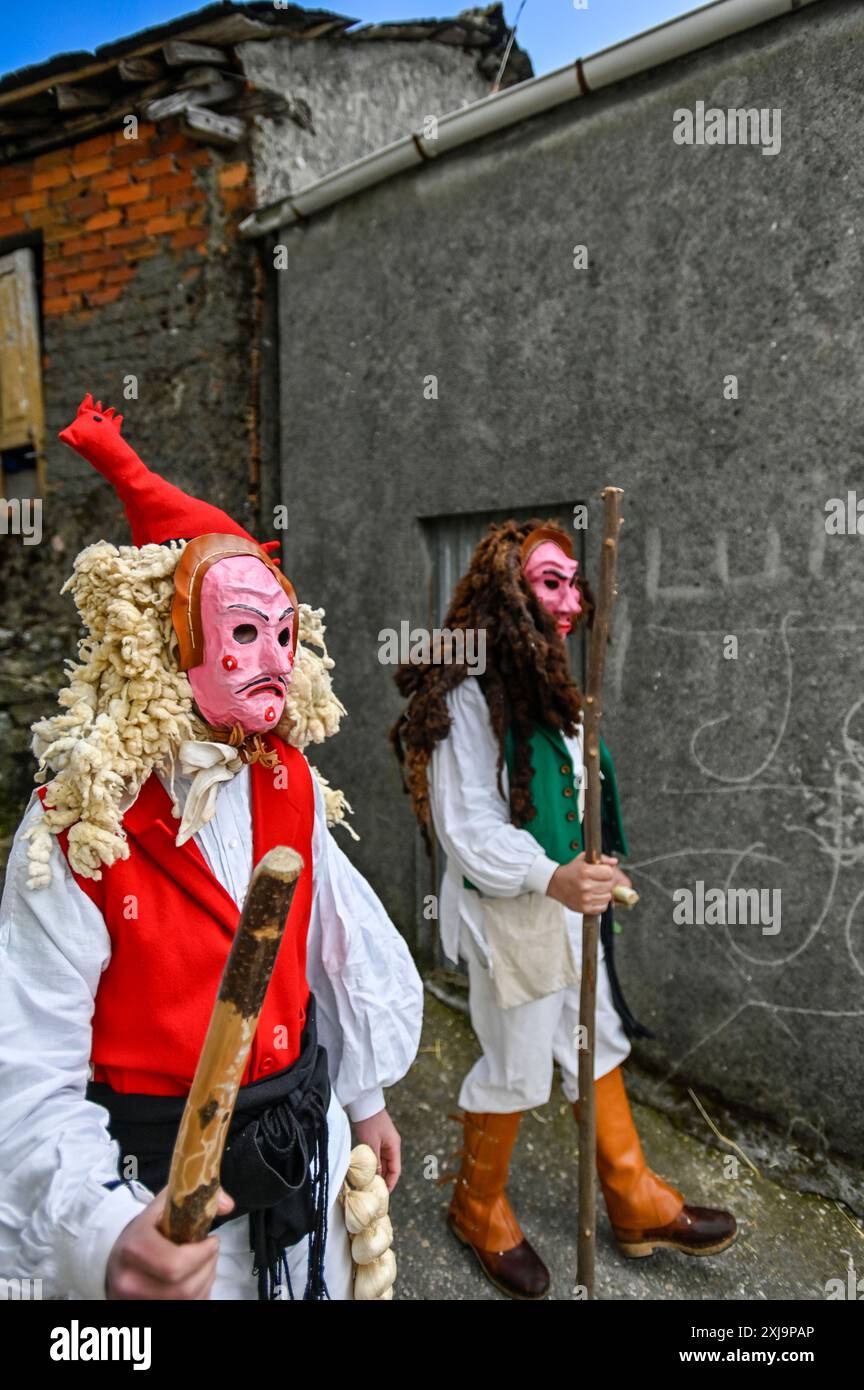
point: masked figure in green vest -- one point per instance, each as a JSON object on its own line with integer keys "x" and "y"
{"x": 493, "y": 764}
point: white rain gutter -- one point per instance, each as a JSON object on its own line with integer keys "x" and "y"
{"x": 676, "y": 37}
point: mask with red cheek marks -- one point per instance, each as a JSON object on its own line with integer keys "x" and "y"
{"x": 247, "y": 624}
{"x": 552, "y": 576}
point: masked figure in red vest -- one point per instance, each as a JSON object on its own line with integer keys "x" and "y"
{"x": 493, "y": 762}
{"x": 175, "y": 762}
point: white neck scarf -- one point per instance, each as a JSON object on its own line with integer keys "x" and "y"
{"x": 208, "y": 764}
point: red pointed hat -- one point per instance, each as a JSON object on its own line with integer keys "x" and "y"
{"x": 157, "y": 511}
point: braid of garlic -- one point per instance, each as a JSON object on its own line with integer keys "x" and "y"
{"x": 366, "y": 1201}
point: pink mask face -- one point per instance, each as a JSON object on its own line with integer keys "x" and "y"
{"x": 247, "y": 622}
{"x": 552, "y": 576}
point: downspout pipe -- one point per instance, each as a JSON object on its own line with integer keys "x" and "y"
{"x": 677, "y": 37}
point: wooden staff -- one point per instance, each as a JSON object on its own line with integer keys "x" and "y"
{"x": 193, "y": 1184}
{"x": 593, "y": 851}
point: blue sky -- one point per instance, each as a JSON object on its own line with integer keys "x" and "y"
{"x": 553, "y": 31}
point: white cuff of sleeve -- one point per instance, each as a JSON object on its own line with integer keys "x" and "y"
{"x": 86, "y": 1256}
{"x": 368, "y": 1104}
{"x": 539, "y": 874}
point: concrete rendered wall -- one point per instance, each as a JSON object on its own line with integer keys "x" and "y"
{"x": 552, "y": 382}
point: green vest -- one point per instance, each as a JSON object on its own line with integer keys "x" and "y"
{"x": 555, "y": 796}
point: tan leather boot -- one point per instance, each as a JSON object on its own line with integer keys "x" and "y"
{"x": 480, "y": 1214}
{"x": 645, "y": 1212}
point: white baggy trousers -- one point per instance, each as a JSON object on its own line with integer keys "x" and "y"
{"x": 521, "y": 1045}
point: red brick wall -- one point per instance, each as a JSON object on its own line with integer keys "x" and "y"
{"x": 104, "y": 205}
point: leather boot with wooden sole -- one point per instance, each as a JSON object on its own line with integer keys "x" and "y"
{"x": 481, "y": 1216}
{"x": 646, "y": 1212}
{"x": 694, "y": 1231}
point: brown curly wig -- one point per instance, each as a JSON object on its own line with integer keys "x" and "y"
{"x": 527, "y": 680}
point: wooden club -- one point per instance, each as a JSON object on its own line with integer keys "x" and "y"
{"x": 193, "y": 1183}
{"x": 593, "y": 851}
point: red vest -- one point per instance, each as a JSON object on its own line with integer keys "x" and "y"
{"x": 171, "y": 925}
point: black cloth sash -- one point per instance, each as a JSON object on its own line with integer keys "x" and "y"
{"x": 275, "y": 1161}
{"x": 631, "y": 1025}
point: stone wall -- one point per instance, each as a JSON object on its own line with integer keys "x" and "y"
{"x": 141, "y": 276}
{"x": 358, "y": 97}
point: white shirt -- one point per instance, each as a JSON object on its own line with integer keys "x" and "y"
{"x": 472, "y": 821}
{"x": 57, "y": 1220}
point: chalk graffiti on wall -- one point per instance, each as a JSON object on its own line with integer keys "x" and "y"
{"x": 829, "y": 815}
